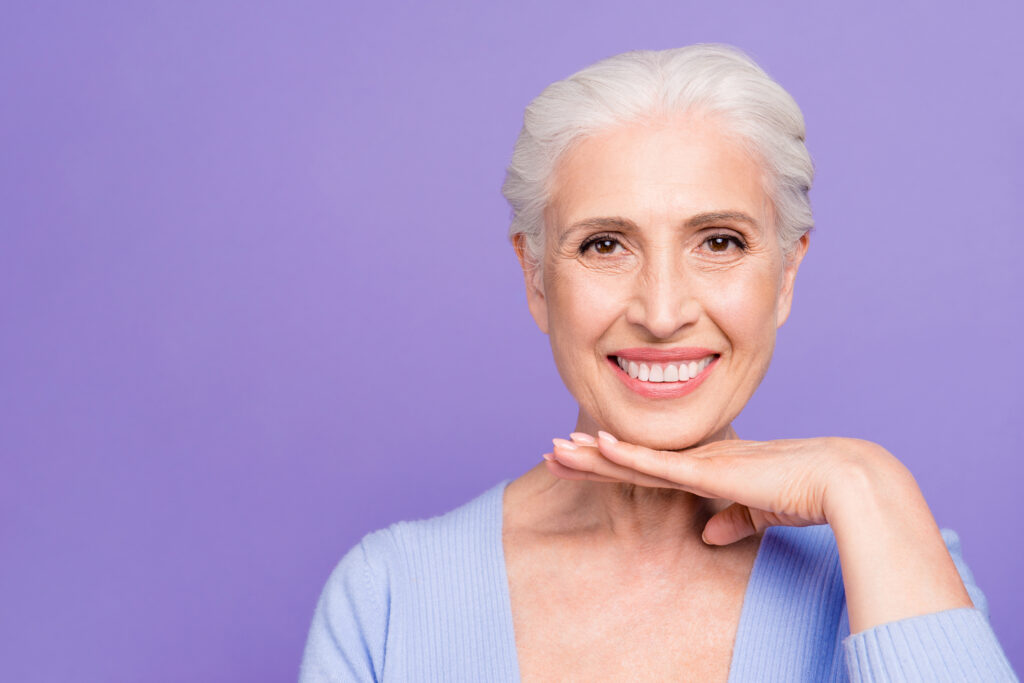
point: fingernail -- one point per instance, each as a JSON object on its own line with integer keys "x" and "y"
{"x": 562, "y": 443}
{"x": 548, "y": 456}
{"x": 607, "y": 437}
{"x": 583, "y": 439}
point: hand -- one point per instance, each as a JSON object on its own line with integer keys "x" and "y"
{"x": 895, "y": 564}
{"x": 787, "y": 482}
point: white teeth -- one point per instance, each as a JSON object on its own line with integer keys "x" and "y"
{"x": 664, "y": 372}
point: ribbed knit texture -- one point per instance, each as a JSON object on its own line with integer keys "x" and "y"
{"x": 949, "y": 646}
{"x": 428, "y": 601}
{"x": 794, "y": 611}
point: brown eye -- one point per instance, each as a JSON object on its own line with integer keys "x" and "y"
{"x": 719, "y": 244}
{"x": 601, "y": 245}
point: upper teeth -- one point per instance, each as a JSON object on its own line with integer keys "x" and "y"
{"x": 664, "y": 372}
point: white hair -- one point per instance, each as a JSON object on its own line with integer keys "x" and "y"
{"x": 718, "y": 80}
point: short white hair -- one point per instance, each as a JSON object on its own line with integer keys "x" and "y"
{"x": 717, "y": 80}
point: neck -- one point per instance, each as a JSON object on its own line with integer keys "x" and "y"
{"x": 641, "y": 514}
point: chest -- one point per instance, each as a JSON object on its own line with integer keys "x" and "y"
{"x": 580, "y": 618}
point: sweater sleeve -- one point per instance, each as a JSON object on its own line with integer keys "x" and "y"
{"x": 952, "y": 645}
{"x": 347, "y": 637}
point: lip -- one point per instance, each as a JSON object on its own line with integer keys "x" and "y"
{"x": 641, "y": 354}
{"x": 663, "y": 390}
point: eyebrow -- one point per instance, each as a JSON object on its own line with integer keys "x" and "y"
{"x": 624, "y": 224}
{"x": 702, "y": 219}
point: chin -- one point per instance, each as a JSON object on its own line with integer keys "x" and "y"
{"x": 667, "y": 432}
{"x": 669, "y": 442}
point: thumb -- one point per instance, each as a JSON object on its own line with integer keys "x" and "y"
{"x": 732, "y": 524}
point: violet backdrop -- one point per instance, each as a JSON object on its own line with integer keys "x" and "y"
{"x": 257, "y": 299}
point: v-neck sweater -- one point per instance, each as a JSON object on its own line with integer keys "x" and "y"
{"x": 428, "y": 600}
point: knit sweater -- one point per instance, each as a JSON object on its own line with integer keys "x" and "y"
{"x": 428, "y": 601}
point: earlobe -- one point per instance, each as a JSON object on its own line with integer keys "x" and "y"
{"x": 535, "y": 298}
{"x": 792, "y": 265}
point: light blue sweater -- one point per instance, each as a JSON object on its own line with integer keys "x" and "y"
{"x": 428, "y": 601}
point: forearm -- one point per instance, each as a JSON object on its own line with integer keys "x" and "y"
{"x": 894, "y": 561}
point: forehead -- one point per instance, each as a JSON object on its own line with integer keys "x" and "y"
{"x": 657, "y": 173}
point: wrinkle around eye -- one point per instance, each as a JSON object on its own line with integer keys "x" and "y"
{"x": 712, "y": 261}
{"x": 614, "y": 263}
{"x": 621, "y": 261}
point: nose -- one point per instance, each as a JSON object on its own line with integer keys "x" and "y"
{"x": 664, "y": 299}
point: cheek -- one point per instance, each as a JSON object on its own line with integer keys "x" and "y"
{"x": 744, "y": 307}
{"x": 580, "y": 310}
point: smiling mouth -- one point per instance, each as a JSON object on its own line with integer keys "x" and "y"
{"x": 677, "y": 372}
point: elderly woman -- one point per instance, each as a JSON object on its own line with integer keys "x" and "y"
{"x": 660, "y": 214}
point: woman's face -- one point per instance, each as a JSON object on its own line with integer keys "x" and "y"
{"x": 661, "y": 262}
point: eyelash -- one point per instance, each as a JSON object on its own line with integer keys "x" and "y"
{"x": 740, "y": 244}
{"x": 588, "y": 243}
{"x": 591, "y": 241}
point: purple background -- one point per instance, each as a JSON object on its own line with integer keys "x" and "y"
{"x": 257, "y": 300}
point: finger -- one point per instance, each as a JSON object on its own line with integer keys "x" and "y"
{"x": 682, "y": 470}
{"x": 589, "y": 459}
{"x": 732, "y": 524}
{"x": 582, "y": 439}
{"x": 562, "y": 472}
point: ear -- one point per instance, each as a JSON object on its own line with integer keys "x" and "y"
{"x": 534, "y": 286}
{"x": 792, "y": 264}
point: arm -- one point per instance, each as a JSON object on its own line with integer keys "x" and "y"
{"x": 346, "y": 638}
{"x": 895, "y": 562}
{"x": 956, "y": 644}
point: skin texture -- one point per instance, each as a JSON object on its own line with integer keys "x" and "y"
{"x": 664, "y": 521}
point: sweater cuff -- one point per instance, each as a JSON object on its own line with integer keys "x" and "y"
{"x": 953, "y": 645}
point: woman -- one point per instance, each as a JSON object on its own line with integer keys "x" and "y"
{"x": 660, "y": 216}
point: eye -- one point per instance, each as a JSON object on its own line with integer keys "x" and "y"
{"x": 605, "y": 245}
{"x": 719, "y": 244}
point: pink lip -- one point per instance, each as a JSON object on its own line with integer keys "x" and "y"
{"x": 664, "y": 355}
{"x": 663, "y": 389}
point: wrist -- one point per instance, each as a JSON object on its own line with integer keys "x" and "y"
{"x": 870, "y": 484}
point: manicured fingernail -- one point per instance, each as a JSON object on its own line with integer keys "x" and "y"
{"x": 583, "y": 439}
{"x": 607, "y": 437}
{"x": 562, "y": 443}
{"x": 548, "y": 456}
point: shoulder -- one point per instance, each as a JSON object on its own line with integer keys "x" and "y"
{"x": 386, "y": 553}
{"x": 402, "y": 549}
{"x": 467, "y": 525}
{"x": 393, "y": 578}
